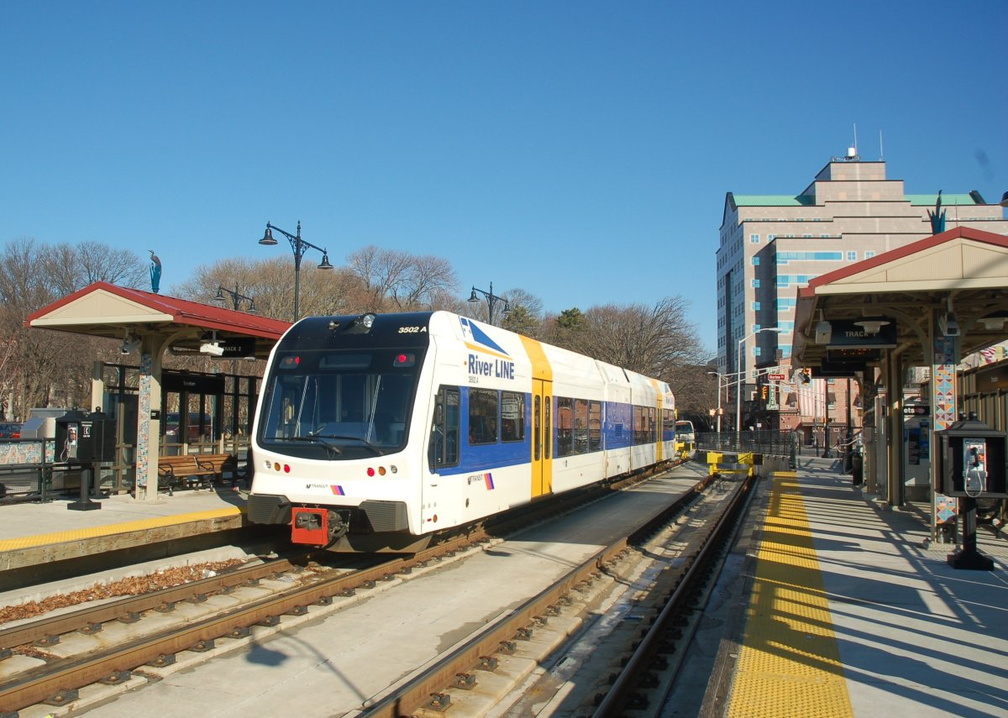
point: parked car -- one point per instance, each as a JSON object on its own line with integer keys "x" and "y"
{"x": 10, "y": 430}
{"x": 172, "y": 426}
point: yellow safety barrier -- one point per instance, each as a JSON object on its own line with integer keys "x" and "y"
{"x": 740, "y": 463}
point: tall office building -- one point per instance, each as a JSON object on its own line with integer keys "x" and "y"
{"x": 773, "y": 244}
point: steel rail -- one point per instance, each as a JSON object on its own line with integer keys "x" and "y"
{"x": 618, "y": 695}
{"x": 414, "y": 694}
{"x": 47, "y": 627}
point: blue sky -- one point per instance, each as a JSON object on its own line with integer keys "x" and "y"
{"x": 578, "y": 150}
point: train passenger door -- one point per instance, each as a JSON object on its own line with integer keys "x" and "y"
{"x": 542, "y": 435}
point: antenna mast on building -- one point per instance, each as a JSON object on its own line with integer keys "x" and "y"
{"x": 852, "y": 153}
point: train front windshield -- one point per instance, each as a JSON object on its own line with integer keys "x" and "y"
{"x": 339, "y": 404}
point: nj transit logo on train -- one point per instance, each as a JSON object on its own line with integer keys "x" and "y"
{"x": 498, "y": 365}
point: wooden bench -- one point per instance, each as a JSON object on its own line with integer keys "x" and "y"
{"x": 188, "y": 469}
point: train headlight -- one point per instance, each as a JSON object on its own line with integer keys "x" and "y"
{"x": 360, "y": 325}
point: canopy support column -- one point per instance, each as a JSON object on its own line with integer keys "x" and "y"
{"x": 944, "y": 397}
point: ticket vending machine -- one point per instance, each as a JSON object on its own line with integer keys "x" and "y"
{"x": 917, "y": 439}
{"x": 971, "y": 464}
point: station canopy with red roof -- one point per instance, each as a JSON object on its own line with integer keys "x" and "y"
{"x": 106, "y": 310}
{"x": 961, "y": 273}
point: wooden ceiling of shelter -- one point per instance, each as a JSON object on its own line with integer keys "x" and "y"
{"x": 963, "y": 270}
{"x": 106, "y": 310}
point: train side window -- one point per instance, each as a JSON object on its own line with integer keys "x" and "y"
{"x": 594, "y": 425}
{"x": 483, "y": 416}
{"x": 547, "y": 429}
{"x": 564, "y": 426}
{"x": 512, "y": 416}
{"x": 443, "y": 448}
{"x": 453, "y": 423}
{"x": 580, "y": 426}
{"x": 536, "y": 426}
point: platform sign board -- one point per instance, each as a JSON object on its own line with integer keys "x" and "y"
{"x": 179, "y": 381}
{"x": 238, "y": 348}
{"x": 993, "y": 378}
{"x": 854, "y": 335}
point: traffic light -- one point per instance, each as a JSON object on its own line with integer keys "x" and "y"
{"x": 764, "y": 392}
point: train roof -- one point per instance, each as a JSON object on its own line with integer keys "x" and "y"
{"x": 475, "y": 333}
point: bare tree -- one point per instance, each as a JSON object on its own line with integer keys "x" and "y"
{"x": 335, "y": 291}
{"x": 77, "y": 266}
{"x": 43, "y": 366}
{"x": 652, "y": 341}
{"x": 267, "y": 282}
{"x": 24, "y": 287}
{"x": 400, "y": 281}
{"x": 381, "y": 272}
{"x": 656, "y": 341}
{"x": 426, "y": 278}
{"x": 696, "y": 392}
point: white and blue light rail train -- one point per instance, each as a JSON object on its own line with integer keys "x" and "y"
{"x": 381, "y": 431}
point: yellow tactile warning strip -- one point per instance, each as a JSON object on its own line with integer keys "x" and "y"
{"x": 111, "y": 529}
{"x": 789, "y": 663}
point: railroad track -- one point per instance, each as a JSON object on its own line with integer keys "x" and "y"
{"x": 641, "y": 670}
{"x": 58, "y": 681}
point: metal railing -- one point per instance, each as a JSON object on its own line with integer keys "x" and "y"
{"x": 775, "y": 443}
{"x": 25, "y": 470}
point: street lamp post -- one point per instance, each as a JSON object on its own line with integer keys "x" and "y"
{"x": 299, "y": 246}
{"x": 491, "y": 300}
{"x": 236, "y": 298}
{"x": 719, "y": 410}
{"x": 741, "y": 375}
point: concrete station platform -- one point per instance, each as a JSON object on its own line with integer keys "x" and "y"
{"x": 853, "y": 612}
{"x": 36, "y": 537}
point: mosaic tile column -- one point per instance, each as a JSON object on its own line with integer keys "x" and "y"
{"x": 943, "y": 403}
{"x": 143, "y": 460}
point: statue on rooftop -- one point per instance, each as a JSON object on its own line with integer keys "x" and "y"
{"x": 155, "y": 272}
{"x": 937, "y": 220}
